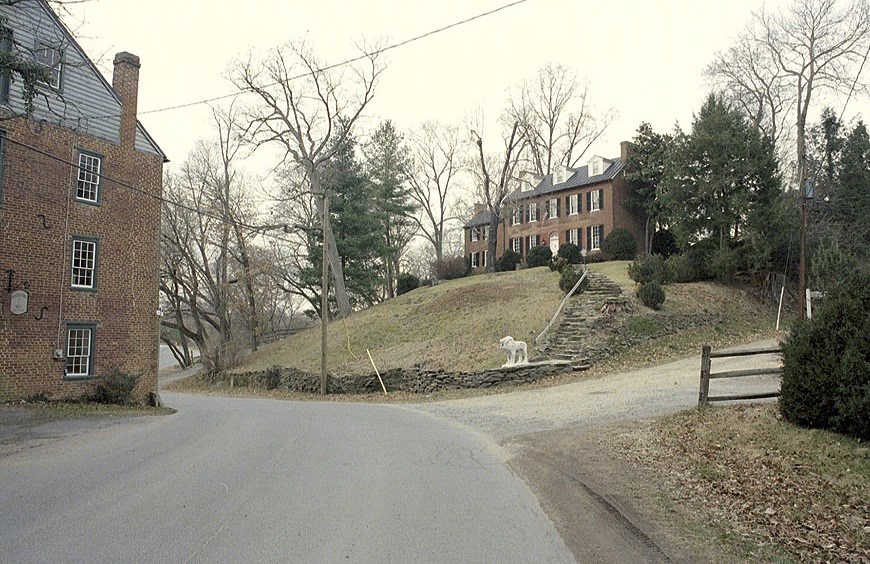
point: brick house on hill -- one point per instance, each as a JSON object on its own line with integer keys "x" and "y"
{"x": 580, "y": 206}
{"x": 79, "y": 219}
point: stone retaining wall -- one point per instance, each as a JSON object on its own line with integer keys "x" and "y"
{"x": 412, "y": 380}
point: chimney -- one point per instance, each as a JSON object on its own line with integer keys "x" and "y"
{"x": 478, "y": 207}
{"x": 125, "y": 81}
{"x": 625, "y": 149}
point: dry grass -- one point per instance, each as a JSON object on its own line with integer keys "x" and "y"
{"x": 453, "y": 326}
{"x": 766, "y": 485}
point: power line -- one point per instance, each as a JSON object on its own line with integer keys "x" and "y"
{"x": 365, "y": 55}
{"x": 259, "y": 230}
{"x": 855, "y": 82}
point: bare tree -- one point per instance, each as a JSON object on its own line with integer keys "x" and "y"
{"x": 436, "y": 164}
{"x": 786, "y": 58}
{"x": 750, "y": 78}
{"x": 495, "y": 189}
{"x": 555, "y": 119}
{"x": 308, "y": 110}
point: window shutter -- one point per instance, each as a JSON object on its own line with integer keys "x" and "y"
{"x": 525, "y": 214}
{"x": 568, "y": 236}
{"x": 601, "y": 200}
{"x": 558, "y": 201}
{"x": 589, "y": 238}
{"x": 588, "y": 201}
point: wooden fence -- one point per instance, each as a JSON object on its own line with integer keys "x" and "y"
{"x": 707, "y": 354}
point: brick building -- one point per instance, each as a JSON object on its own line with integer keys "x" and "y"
{"x": 79, "y": 219}
{"x": 580, "y": 206}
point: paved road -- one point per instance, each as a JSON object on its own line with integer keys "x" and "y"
{"x": 252, "y": 480}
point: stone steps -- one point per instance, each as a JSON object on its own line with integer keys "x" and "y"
{"x": 577, "y": 327}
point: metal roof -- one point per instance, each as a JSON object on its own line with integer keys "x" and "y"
{"x": 480, "y": 218}
{"x": 579, "y": 179}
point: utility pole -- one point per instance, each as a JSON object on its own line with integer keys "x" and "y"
{"x": 324, "y": 301}
{"x": 807, "y": 188}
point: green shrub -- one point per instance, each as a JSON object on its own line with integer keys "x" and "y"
{"x": 538, "y": 256}
{"x": 450, "y": 268}
{"x": 681, "y": 269}
{"x": 620, "y": 244}
{"x": 725, "y": 263}
{"x": 558, "y": 264}
{"x": 663, "y": 243}
{"x": 648, "y": 269}
{"x": 570, "y": 276}
{"x": 651, "y": 294}
{"x": 597, "y": 256}
{"x": 116, "y": 388}
{"x": 570, "y": 252}
{"x": 826, "y": 363}
{"x": 405, "y": 283}
{"x": 508, "y": 261}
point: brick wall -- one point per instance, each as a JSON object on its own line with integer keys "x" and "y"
{"x": 126, "y": 225}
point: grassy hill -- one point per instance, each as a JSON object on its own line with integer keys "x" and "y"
{"x": 457, "y": 324}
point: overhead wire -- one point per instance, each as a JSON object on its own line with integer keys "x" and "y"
{"x": 342, "y": 63}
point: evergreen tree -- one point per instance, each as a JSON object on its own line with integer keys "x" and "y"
{"x": 387, "y": 165}
{"x": 644, "y": 172}
{"x": 719, "y": 176}
{"x": 356, "y": 226}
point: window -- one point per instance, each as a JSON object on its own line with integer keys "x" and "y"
{"x": 51, "y": 58}
{"x": 79, "y": 350}
{"x": 597, "y": 233}
{"x": 574, "y": 236}
{"x": 5, "y": 75}
{"x": 475, "y": 260}
{"x": 533, "y": 211}
{"x": 88, "y": 184}
{"x": 553, "y": 208}
{"x": 474, "y": 234}
{"x": 534, "y": 241}
{"x": 517, "y": 216}
{"x": 573, "y": 204}
{"x": 84, "y": 263}
{"x": 485, "y": 258}
{"x": 516, "y": 245}
{"x": 595, "y": 167}
{"x": 595, "y": 200}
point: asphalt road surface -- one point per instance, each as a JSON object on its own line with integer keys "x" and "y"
{"x": 253, "y": 480}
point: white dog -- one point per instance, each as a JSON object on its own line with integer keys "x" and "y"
{"x": 513, "y": 347}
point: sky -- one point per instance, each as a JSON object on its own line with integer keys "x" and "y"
{"x": 643, "y": 58}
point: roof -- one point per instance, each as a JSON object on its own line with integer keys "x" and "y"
{"x": 480, "y": 218}
{"x": 579, "y": 179}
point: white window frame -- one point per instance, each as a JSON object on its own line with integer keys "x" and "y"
{"x": 595, "y": 167}
{"x": 532, "y": 241}
{"x": 88, "y": 179}
{"x": 517, "y": 216}
{"x": 516, "y": 245}
{"x": 597, "y": 232}
{"x": 83, "y": 273}
{"x": 475, "y": 260}
{"x": 533, "y": 212}
{"x": 573, "y": 204}
{"x": 553, "y": 208}
{"x": 474, "y": 235}
{"x": 595, "y": 200}
{"x": 485, "y": 258}
{"x": 51, "y": 58}
{"x": 574, "y": 236}
{"x": 79, "y": 351}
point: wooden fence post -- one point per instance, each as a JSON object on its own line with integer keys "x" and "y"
{"x": 705, "y": 376}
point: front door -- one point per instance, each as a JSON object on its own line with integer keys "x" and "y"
{"x": 554, "y": 242}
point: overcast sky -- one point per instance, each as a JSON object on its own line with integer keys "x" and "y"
{"x": 644, "y": 58}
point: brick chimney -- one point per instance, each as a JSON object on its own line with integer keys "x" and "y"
{"x": 625, "y": 149}
{"x": 478, "y": 207}
{"x": 125, "y": 81}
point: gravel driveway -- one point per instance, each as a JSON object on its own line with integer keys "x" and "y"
{"x": 641, "y": 393}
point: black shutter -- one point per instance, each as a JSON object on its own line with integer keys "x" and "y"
{"x": 589, "y": 238}
{"x": 558, "y": 201}
{"x": 525, "y": 214}
{"x": 601, "y": 200}
{"x": 588, "y": 201}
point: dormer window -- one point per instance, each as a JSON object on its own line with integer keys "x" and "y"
{"x": 595, "y": 167}
{"x": 51, "y": 58}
